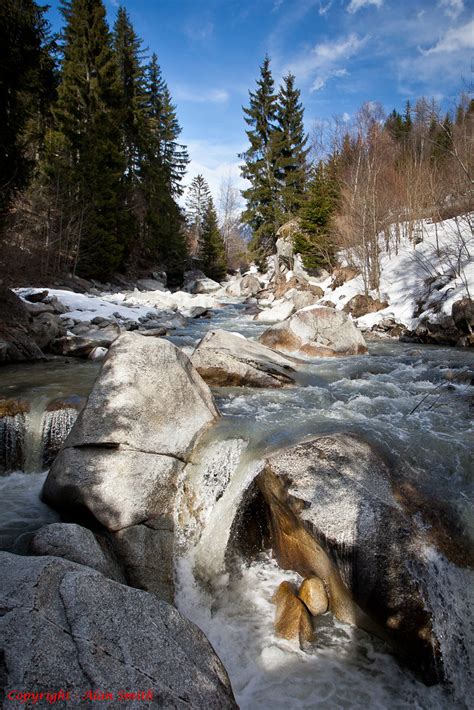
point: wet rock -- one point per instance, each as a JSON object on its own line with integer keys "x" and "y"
{"x": 97, "y": 353}
{"x": 276, "y": 313}
{"x": 196, "y": 312}
{"x": 226, "y": 359}
{"x": 36, "y": 296}
{"x": 463, "y": 315}
{"x": 345, "y": 273}
{"x": 77, "y": 345}
{"x": 312, "y": 593}
{"x": 360, "y": 305}
{"x": 58, "y": 421}
{"x": 292, "y": 620}
{"x": 36, "y": 309}
{"x": 338, "y": 511}
{"x": 67, "y": 626}
{"x": 153, "y": 332}
{"x": 316, "y": 331}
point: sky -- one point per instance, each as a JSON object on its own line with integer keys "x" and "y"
{"x": 342, "y": 53}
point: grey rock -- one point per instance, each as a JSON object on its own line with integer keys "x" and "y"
{"x": 16, "y": 336}
{"x": 67, "y": 626}
{"x": 77, "y": 544}
{"x": 150, "y": 285}
{"x": 316, "y": 331}
{"x": 227, "y": 359}
{"x": 45, "y": 328}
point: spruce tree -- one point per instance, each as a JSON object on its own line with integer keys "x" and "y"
{"x": 27, "y": 86}
{"x": 314, "y": 241}
{"x": 197, "y": 203}
{"x": 264, "y": 210}
{"x": 291, "y": 141}
{"x": 88, "y": 118}
{"x": 212, "y": 253}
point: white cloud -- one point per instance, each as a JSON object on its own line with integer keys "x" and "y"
{"x": 356, "y": 5}
{"x": 455, "y": 39}
{"x": 346, "y": 117}
{"x": 326, "y": 60}
{"x": 453, "y": 8}
{"x": 214, "y": 96}
{"x": 324, "y": 9}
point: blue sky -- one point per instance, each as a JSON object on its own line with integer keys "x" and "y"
{"x": 343, "y": 52}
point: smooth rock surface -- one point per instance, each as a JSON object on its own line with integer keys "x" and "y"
{"x": 312, "y": 593}
{"x": 292, "y": 620}
{"x": 276, "y": 313}
{"x": 67, "y": 626}
{"x": 227, "y": 359}
{"x": 317, "y": 331}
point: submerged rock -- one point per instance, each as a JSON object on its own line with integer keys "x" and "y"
{"x": 65, "y": 626}
{"x": 316, "y": 331}
{"x": 292, "y": 620}
{"x": 227, "y": 359}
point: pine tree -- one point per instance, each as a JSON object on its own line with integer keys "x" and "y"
{"x": 197, "y": 202}
{"x": 212, "y": 251}
{"x": 132, "y": 93}
{"x": 291, "y": 141}
{"x": 314, "y": 241}
{"x": 27, "y": 87}
{"x": 88, "y": 119}
{"x": 264, "y": 211}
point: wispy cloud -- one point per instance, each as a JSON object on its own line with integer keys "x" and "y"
{"x": 455, "y": 39}
{"x": 452, "y": 8}
{"x": 356, "y": 5}
{"x": 326, "y": 60}
{"x": 214, "y": 96}
{"x": 199, "y": 30}
{"x": 216, "y": 162}
{"x": 324, "y": 9}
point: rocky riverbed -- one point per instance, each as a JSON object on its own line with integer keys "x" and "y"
{"x": 317, "y": 458}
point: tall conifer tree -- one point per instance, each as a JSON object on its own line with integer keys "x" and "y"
{"x": 212, "y": 251}
{"x": 88, "y": 117}
{"x": 264, "y": 212}
{"x": 291, "y": 150}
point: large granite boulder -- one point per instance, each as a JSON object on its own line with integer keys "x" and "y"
{"x": 316, "y": 331}
{"x": 65, "y": 626}
{"x": 338, "y": 510}
{"x": 228, "y": 359}
{"x": 122, "y": 460}
{"x": 276, "y": 313}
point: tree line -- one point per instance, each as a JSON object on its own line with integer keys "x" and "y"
{"x": 91, "y": 161}
{"x": 353, "y": 181}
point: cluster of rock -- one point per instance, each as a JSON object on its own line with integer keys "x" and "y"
{"x": 457, "y": 329}
{"x": 294, "y": 610}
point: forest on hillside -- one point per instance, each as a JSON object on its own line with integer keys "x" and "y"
{"x": 92, "y": 166}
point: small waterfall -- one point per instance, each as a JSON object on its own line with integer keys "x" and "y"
{"x": 31, "y": 434}
{"x": 12, "y": 434}
{"x": 56, "y": 426}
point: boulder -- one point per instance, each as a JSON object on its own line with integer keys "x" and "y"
{"x": 276, "y": 313}
{"x": 46, "y": 328}
{"x": 16, "y": 335}
{"x": 316, "y": 331}
{"x": 98, "y": 353}
{"x": 36, "y": 309}
{"x": 345, "y": 273}
{"x": 340, "y": 511}
{"x": 360, "y": 305}
{"x": 314, "y": 596}
{"x": 249, "y": 285}
{"x": 463, "y": 315}
{"x": 68, "y": 629}
{"x": 123, "y": 458}
{"x": 36, "y": 296}
{"x": 150, "y": 285}
{"x": 78, "y": 345}
{"x": 292, "y": 620}
{"x": 226, "y": 359}
{"x": 77, "y": 544}
{"x": 301, "y": 299}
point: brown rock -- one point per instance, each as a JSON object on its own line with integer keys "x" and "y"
{"x": 360, "y": 305}
{"x": 463, "y": 315}
{"x": 340, "y": 276}
{"x": 292, "y": 620}
{"x": 314, "y": 596}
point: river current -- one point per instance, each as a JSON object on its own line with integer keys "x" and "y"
{"x": 416, "y": 403}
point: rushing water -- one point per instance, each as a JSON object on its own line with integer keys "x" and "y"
{"x": 416, "y": 402}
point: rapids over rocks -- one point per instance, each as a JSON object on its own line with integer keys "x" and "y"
{"x": 414, "y": 404}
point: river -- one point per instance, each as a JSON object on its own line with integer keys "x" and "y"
{"x": 414, "y": 402}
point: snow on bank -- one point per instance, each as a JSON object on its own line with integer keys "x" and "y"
{"x": 444, "y": 260}
{"x": 126, "y": 306}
